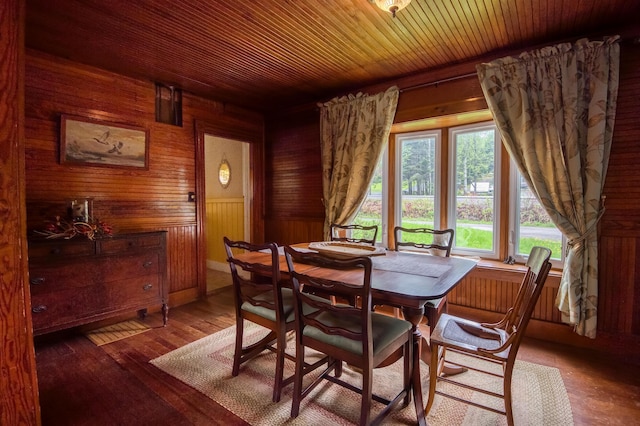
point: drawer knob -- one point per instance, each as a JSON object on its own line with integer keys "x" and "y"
{"x": 37, "y": 281}
{"x": 38, "y": 309}
{"x": 147, "y": 264}
{"x": 55, "y": 250}
{"x": 147, "y": 287}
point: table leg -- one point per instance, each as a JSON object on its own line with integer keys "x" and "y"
{"x": 414, "y": 316}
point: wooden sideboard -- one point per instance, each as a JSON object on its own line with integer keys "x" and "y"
{"x": 78, "y": 281}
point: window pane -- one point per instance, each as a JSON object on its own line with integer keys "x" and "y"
{"x": 534, "y": 226}
{"x": 472, "y": 191}
{"x": 417, "y": 184}
{"x": 370, "y": 212}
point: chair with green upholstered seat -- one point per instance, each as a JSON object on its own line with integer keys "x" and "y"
{"x": 353, "y": 334}
{"x": 259, "y": 298}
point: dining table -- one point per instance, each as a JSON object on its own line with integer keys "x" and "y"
{"x": 402, "y": 279}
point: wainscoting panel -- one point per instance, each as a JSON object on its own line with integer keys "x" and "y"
{"x": 495, "y": 291}
{"x": 181, "y": 258}
{"x": 224, "y": 217}
{"x": 617, "y": 303}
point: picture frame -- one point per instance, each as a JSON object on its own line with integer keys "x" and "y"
{"x": 92, "y": 142}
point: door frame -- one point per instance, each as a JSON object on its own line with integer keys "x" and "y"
{"x": 254, "y": 197}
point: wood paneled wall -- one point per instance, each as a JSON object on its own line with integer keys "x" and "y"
{"x": 128, "y": 199}
{"x": 18, "y": 382}
{"x": 289, "y": 137}
{"x": 293, "y": 208}
{"x": 619, "y": 250}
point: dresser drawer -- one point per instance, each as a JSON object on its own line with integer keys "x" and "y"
{"x": 67, "y": 276}
{"x": 140, "y": 291}
{"x": 73, "y": 274}
{"x": 51, "y": 310}
{"x": 115, "y": 268}
{"x": 56, "y": 309}
{"x": 60, "y": 249}
{"x": 122, "y": 245}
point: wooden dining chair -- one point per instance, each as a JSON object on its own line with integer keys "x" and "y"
{"x": 436, "y": 242}
{"x": 259, "y": 298}
{"x": 345, "y": 233}
{"x": 497, "y": 342}
{"x": 353, "y": 334}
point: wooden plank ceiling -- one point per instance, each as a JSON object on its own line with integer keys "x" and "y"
{"x": 287, "y": 52}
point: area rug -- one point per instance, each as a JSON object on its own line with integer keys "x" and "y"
{"x": 539, "y": 394}
{"x": 112, "y": 333}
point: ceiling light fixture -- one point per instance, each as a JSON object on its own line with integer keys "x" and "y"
{"x": 392, "y": 6}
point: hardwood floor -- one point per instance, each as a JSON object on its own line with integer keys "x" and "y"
{"x": 83, "y": 384}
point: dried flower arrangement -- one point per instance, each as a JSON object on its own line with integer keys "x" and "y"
{"x": 61, "y": 228}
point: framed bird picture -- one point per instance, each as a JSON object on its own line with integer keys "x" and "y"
{"x": 91, "y": 142}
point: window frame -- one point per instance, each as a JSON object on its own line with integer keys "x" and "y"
{"x": 514, "y": 220}
{"x": 497, "y": 185}
{"x": 399, "y": 139}
{"x": 384, "y": 220}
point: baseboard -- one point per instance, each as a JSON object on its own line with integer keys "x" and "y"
{"x": 182, "y": 297}
{"x": 218, "y": 266}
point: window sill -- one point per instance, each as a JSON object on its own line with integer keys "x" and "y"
{"x": 497, "y": 270}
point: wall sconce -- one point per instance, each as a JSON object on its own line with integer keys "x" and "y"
{"x": 224, "y": 173}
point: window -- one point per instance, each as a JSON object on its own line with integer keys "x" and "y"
{"x": 373, "y": 208}
{"x": 417, "y": 203}
{"x": 530, "y": 225}
{"x": 473, "y": 194}
{"x": 468, "y": 187}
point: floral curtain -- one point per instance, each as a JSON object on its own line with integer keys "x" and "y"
{"x": 353, "y": 132}
{"x": 555, "y": 108}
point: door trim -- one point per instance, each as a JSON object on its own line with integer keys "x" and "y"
{"x": 254, "y": 196}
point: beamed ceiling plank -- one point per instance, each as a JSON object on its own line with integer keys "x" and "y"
{"x": 288, "y": 53}
{"x": 468, "y": 26}
{"x": 433, "y": 37}
{"x": 479, "y": 16}
{"x": 496, "y": 14}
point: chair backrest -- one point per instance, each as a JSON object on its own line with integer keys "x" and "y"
{"x": 539, "y": 265}
{"x": 331, "y": 285}
{"x": 537, "y": 258}
{"x": 437, "y": 242}
{"x": 354, "y": 233}
{"x": 252, "y": 279}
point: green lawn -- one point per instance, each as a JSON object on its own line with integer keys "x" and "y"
{"x": 481, "y": 239}
{"x": 474, "y": 238}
